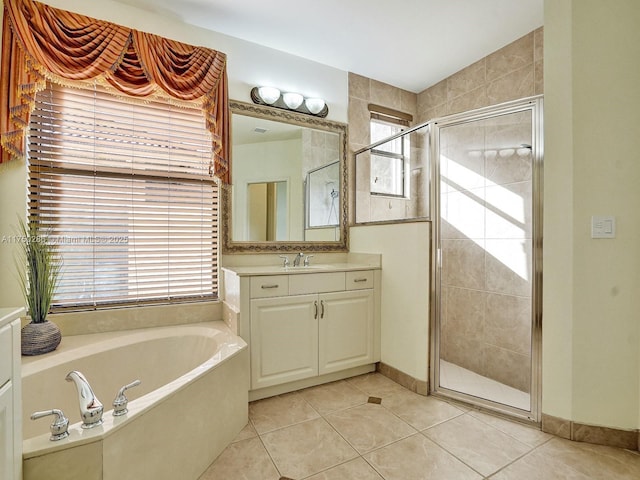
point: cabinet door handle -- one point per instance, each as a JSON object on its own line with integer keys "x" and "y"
{"x": 359, "y": 280}
{"x": 322, "y": 309}
{"x": 315, "y": 306}
{"x": 275, "y": 285}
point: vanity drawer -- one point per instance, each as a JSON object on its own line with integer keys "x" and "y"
{"x": 6, "y": 352}
{"x": 359, "y": 280}
{"x": 269, "y": 286}
{"x": 302, "y": 284}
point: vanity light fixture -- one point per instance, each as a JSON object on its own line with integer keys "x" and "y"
{"x": 269, "y": 95}
{"x": 289, "y": 101}
{"x": 292, "y": 100}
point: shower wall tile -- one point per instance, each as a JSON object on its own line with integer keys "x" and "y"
{"x": 430, "y": 98}
{"x": 507, "y": 367}
{"x": 538, "y": 68}
{"x": 465, "y": 312}
{"x": 509, "y": 267}
{"x": 507, "y": 322}
{"x": 408, "y": 102}
{"x": 508, "y": 214}
{"x": 466, "y": 80}
{"x": 359, "y": 130}
{"x": 514, "y": 85}
{"x": 511, "y": 169}
{"x": 359, "y": 87}
{"x": 488, "y": 81}
{"x": 465, "y": 352}
{"x": 511, "y": 57}
{"x": 469, "y": 101}
{"x": 463, "y": 264}
{"x": 466, "y": 212}
{"x": 385, "y": 94}
{"x": 538, "y": 44}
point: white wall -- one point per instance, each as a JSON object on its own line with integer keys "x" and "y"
{"x": 591, "y": 344}
{"x": 405, "y": 250}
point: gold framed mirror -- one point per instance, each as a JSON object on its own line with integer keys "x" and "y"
{"x": 289, "y": 182}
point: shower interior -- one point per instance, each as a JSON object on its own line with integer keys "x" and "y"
{"x": 487, "y": 247}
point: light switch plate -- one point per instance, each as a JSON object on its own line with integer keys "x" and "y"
{"x": 603, "y": 227}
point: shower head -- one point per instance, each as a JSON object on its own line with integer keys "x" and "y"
{"x": 334, "y": 193}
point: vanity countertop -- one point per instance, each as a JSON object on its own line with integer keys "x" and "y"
{"x": 7, "y": 315}
{"x": 280, "y": 270}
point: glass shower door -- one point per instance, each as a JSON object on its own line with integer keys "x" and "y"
{"x": 485, "y": 239}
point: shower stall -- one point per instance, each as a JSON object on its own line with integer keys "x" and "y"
{"x": 483, "y": 195}
{"x": 486, "y": 252}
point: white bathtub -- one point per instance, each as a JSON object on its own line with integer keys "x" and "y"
{"x": 191, "y": 403}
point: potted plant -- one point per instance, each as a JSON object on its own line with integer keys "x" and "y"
{"x": 38, "y": 271}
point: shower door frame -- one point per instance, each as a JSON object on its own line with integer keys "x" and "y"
{"x": 535, "y": 105}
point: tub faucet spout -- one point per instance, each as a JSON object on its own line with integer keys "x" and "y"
{"x": 90, "y": 407}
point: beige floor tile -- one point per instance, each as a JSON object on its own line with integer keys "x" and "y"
{"x": 595, "y": 461}
{"x": 334, "y": 396}
{"x": 356, "y": 469}
{"x": 247, "y": 432}
{"x": 307, "y": 448}
{"x": 376, "y": 385}
{"x": 419, "y": 411}
{"x": 281, "y": 411}
{"x": 528, "y": 435}
{"x": 538, "y": 466}
{"x": 418, "y": 458}
{"x": 369, "y": 426}
{"x": 247, "y": 460}
{"x": 483, "y": 447}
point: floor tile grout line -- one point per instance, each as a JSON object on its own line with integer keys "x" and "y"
{"x": 520, "y": 457}
{"x": 507, "y": 433}
{"x": 531, "y": 449}
{"x": 453, "y": 454}
{"x": 273, "y": 462}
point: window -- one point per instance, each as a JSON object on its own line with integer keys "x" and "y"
{"x": 387, "y": 160}
{"x": 126, "y": 190}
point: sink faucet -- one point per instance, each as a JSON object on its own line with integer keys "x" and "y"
{"x": 90, "y": 407}
{"x": 296, "y": 261}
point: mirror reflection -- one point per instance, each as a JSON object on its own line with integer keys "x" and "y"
{"x": 286, "y": 182}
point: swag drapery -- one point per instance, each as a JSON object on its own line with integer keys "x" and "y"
{"x": 40, "y": 42}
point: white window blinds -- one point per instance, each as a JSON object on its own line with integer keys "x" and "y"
{"x": 126, "y": 191}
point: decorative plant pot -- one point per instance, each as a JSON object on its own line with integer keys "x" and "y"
{"x": 39, "y": 338}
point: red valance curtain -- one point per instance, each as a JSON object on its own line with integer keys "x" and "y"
{"x": 40, "y": 42}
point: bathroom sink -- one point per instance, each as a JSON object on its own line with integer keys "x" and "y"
{"x": 306, "y": 268}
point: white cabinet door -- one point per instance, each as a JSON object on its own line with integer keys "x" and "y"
{"x": 284, "y": 339}
{"x": 345, "y": 330}
{"x": 6, "y": 432}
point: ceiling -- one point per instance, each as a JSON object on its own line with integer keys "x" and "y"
{"x": 411, "y": 44}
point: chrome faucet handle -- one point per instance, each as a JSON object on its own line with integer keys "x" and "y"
{"x": 121, "y": 401}
{"x": 306, "y": 260}
{"x": 285, "y": 263}
{"x": 60, "y": 425}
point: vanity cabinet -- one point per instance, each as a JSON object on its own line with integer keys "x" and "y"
{"x": 306, "y": 328}
{"x": 10, "y": 395}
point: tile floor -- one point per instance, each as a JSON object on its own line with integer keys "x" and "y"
{"x": 332, "y": 432}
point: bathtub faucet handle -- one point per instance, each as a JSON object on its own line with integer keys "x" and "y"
{"x": 121, "y": 401}
{"x": 59, "y": 427}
